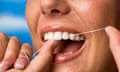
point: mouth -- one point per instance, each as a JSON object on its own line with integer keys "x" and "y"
{"x": 70, "y": 46}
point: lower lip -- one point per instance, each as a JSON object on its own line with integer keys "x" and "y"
{"x": 61, "y": 58}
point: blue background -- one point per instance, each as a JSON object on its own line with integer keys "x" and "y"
{"x": 12, "y": 19}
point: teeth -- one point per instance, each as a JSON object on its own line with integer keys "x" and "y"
{"x": 72, "y": 36}
{"x": 68, "y": 53}
{"x": 57, "y": 36}
{"x": 62, "y": 36}
{"x": 46, "y": 36}
{"x": 50, "y": 35}
{"x": 77, "y": 38}
{"x": 65, "y": 35}
{"x": 82, "y": 38}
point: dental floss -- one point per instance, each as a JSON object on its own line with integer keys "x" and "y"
{"x": 26, "y": 56}
{"x": 91, "y": 31}
{"x": 36, "y": 52}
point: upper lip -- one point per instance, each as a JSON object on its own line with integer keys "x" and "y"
{"x": 52, "y": 28}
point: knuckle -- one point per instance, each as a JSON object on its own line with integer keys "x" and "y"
{"x": 26, "y": 45}
{"x": 3, "y": 36}
{"x": 15, "y": 39}
{"x": 3, "y": 44}
{"x": 15, "y": 42}
{"x": 13, "y": 47}
{"x": 27, "y": 48}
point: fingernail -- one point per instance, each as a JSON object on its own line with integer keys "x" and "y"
{"x": 4, "y": 66}
{"x": 108, "y": 28}
{"x": 111, "y": 30}
{"x": 21, "y": 63}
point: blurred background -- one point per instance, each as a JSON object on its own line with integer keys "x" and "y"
{"x": 12, "y": 19}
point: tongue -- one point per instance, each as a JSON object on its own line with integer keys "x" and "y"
{"x": 66, "y": 46}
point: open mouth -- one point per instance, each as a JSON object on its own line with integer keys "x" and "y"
{"x": 70, "y": 46}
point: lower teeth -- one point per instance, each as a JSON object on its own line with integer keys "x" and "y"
{"x": 68, "y": 53}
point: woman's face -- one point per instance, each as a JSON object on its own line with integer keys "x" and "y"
{"x": 59, "y": 18}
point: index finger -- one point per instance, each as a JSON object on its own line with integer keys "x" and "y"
{"x": 43, "y": 59}
{"x": 114, "y": 37}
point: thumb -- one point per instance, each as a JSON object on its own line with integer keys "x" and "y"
{"x": 43, "y": 59}
{"x": 114, "y": 37}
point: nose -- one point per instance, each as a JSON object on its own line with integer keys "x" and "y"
{"x": 54, "y": 7}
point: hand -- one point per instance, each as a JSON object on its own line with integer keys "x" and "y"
{"x": 12, "y": 53}
{"x": 114, "y": 37}
{"x": 42, "y": 61}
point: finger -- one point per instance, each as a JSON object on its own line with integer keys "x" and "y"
{"x": 3, "y": 44}
{"x": 114, "y": 37}
{"x": 24, "y": 57}
{"x": 42, "y": 60}
{"x": 10, "y": 54}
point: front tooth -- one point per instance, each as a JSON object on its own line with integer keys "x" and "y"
{"x": 72, "y": 36}
{"x": 50, "y": 35}
{"x": 46, "y": 36}
{"x": 57, "y": 35}
{"x": 65, "y": 35}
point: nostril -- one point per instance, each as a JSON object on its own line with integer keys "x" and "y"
{"x": 54, "y": 7}
{"x": 52, "y": 12}
{"x": 55, "y": 11}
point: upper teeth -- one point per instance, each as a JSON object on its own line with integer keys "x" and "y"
{"x": 62, "y": 36}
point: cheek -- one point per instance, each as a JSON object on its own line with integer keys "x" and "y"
{"x": 96, "y": 14}
{"x": 32, "y": 15}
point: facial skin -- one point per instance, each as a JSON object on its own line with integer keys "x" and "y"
{"x": 82, "y": 15}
